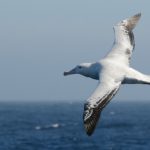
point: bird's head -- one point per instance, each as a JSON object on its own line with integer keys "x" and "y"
{"x": 82, "y": 69}
{"x": 86, "y": 69}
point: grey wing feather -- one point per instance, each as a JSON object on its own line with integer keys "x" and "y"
{"x": 92, "y": 112}
{"x": 124, "y": 38}
{"x": 132, "y": 21}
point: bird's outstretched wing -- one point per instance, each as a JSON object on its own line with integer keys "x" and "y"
{"x": 97, "y": 101}
{"x": 112, "y": 74}
{"x": 124, "y": 39}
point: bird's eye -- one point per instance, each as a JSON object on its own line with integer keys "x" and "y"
{"x": 79, "y": 67}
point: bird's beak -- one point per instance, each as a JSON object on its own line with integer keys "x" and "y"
{"x": 73, "y": 71}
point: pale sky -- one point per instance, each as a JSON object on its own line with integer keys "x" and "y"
{"x": 39, "y": 40}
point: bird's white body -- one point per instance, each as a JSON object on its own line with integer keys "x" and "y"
{"x": 111, "y": 71}
{"x": 117, "y": 69}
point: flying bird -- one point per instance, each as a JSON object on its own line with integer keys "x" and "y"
{"x": 111, "y": 71}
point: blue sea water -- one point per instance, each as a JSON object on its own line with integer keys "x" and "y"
{"x": 59, "y": 126}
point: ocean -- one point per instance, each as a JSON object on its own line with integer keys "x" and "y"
{"x": 59, "y": 126}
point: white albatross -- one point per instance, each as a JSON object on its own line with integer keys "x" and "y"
{"x": 111, "y": 71}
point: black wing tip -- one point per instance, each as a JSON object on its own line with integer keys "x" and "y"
{"x": 91, "y": 123}
{"x": 89, "y": 133}
{"x": 138, "y": 14}
{"x": 89, "y": 126}
{"x": 131, "y": 22}
{"x": 89, "y": 130}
